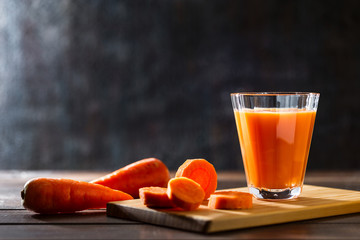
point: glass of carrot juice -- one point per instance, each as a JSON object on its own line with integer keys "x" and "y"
{"x": 275, "y": 131}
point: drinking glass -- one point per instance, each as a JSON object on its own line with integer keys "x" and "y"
{"x": 275, "y": 131}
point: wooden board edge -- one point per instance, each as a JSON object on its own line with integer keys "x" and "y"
{"x": 309, "y": 214}
{"x": 165, "y": 219}
{"x": 159, "y": 218}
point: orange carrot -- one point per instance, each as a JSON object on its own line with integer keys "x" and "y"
{"x": 58, "y": 195}
{"x": 150, "y": 172}
{"x": 230, "y": 200}
{"x": 185, "y": 193}
{"x": 155, "y": 197}
{"x": 202, "y": 172}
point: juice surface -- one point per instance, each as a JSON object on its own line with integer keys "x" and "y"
{"x": 275, "y": 145}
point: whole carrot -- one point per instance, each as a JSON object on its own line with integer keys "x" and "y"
{"x": 58, "y": 195}
{"x": 149, "y": 172}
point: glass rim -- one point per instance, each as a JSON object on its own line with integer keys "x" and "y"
{"x": 274, "y": 93}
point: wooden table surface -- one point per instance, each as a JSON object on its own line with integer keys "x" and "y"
{"x": 18, "y": 223}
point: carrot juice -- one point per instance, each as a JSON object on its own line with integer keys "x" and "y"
{"x": 275, "y": 146}
{"x": 275, "y": 131}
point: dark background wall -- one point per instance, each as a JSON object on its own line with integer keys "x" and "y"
{"x": 99, "y": 84}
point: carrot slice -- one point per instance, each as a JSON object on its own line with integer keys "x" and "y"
{"x": 155, "y": 197}
{"x": 230, "y": 200}
{"x": 202, "y": 172}
{"x": 185, "y": 193}
{"x": 59, "y": 195}
{"x": 149, "y": 172}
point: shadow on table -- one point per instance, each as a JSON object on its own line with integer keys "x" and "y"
{"x": 83, "y": 217}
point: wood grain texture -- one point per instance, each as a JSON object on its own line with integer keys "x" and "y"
{"x": 315, "y": 202}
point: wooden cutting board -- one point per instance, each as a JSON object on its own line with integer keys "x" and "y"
{"x": 314, "y": 202}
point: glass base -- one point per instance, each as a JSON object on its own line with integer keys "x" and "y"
{"x": 275, "y": 194}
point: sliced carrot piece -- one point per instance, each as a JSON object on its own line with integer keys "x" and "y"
{"x": 202, "y": 172}
{"x": 155, "y": 197}
{"x": 230, "y": 200}
{"x": 185, "y": 193}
